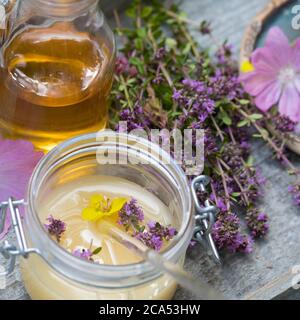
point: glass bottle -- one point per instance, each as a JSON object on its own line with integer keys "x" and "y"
{"x": 57, "y": 63}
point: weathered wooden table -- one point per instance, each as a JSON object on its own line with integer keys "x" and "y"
{"x": 267, "y": 272}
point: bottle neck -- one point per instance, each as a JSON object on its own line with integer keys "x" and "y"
{"x": 63, "y": 7}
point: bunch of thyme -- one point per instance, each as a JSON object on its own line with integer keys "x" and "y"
{"x": 165, "y": 81}
{"x": 273, "y": 130}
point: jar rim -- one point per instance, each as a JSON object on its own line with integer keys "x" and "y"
{"x": 64, "y": 8}
{"x": 85, "y": 272}
{"x": 60, "y": 3}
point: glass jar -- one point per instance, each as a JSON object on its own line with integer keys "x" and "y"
{"x": 54, "y": 273}
{"x": 57, "y": 63}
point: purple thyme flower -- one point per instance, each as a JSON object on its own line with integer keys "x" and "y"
{"x": 205, "y": 27}
{"x": 220, "y": 203}
{"x": 158, "y": 79}
{"x": 192, "y": 244}
{"x": 233, "y": 155}
{"x": 197, "y": 99}
{"x": 261, "y": 180}
{"x": 149, "y": 239}
{"x": 165, "y": 233}
{"x": 177, "y": 96}
{"x": 136, "y": 118}
{"x": 195, "y": 85}
{"x": 160, "y": 53}
{"x": 85, "y": 254}
{"x": 156, "y": 235}
{"x": 245, "y": 181}
{"x": 283, "y": 124}
{"x": 131, "y": 215}
{"x": 152, "y": 235}
{"x": 241, "y": 243}
{"x": 210, "y": 144}
{"x": 55, "y": 227}
{"x": 123, "y": 67}
{"x": 224, "y": 53}
{"x": 257, "y": 223}
{"x": 295, "y": 191}
{"x": 226, "y": 233}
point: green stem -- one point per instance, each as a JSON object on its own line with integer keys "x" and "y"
{"x": 217, "y": 128}
{"x": 161, "y": 65}
{"x": 243, "y": 194}
{"x": 227, "y": 197}
{"x": 126, "y": 92}
{"x": 268, "y": 140}
{"x": 181, "y": 21}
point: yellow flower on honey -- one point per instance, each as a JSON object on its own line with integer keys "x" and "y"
{"x": 247, "y": 66}
{"x": 101, "y": 206}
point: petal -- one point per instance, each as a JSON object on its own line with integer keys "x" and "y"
{"x": 255, "y": 82}
{"x": 90, "y": 214}
{"x": 17, "y": 161}
{"x": 96, "y": 199}
{"x": 117, "y": 205}
{"x": 269, "y": 96}
{"x": 297, "y": 44}
{"x": 18, "y": 155}
{"x": 276, "y": 38}
{"x": 279, "y": 45}
{"x": 297, "y": 83}
{"x": 264, "y": 60}
{"x": 289, "y": 104}
{"x": 295, "y": 58}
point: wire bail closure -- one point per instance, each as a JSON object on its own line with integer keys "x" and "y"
{"x": 205, "y": 218}
{"x": 9, "y": 251}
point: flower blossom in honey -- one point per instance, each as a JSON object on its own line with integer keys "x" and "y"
{"x": 83, "y": 254}
{"x": 101, "y": 206}
{"x": 156, "y": 235}
{"x": 17, "y": 161}
{"x": 55, "y": 227}
{"x": 131, "y": 215}
{"x": 86, "y": 254}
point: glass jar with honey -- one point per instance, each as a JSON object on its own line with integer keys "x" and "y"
{"x": 57, "y": 63}
{"x": 62, "y": 183}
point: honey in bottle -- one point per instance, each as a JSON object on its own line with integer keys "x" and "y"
{"x": 56, "y": 72}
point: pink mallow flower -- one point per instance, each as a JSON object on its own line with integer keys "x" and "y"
{"x": 17, "y": 161}
{"x": 276, "y": 75}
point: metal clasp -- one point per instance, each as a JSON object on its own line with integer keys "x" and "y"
{"x": 205, "y": 218}
{"x": 9, "y": 251}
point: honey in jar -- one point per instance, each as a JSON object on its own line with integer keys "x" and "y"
{"x": 56, "y": 72}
